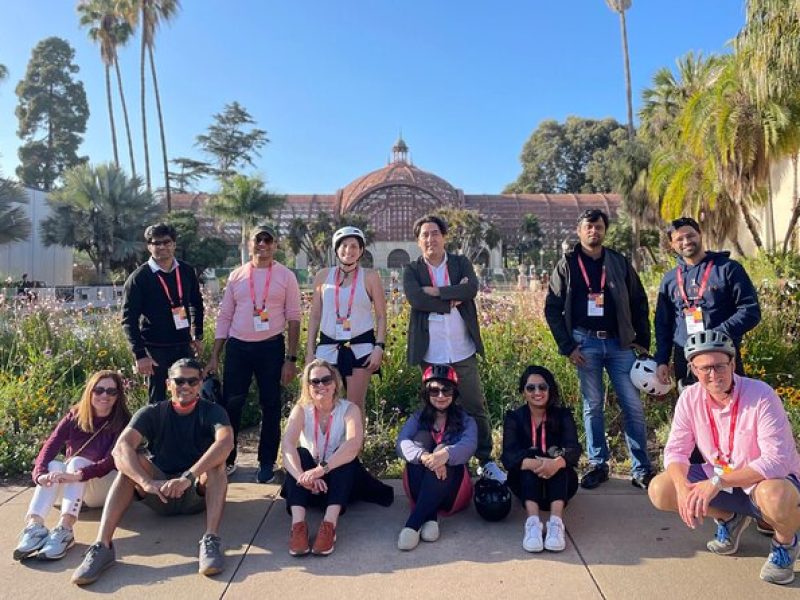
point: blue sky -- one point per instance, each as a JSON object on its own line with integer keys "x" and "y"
{"x": 333, "y": 83}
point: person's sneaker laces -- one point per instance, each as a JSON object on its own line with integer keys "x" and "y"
{"x": 230, "y": 469}
{"x": 728, "y": 534}
{"x": 211, "y": 557}
{"x": 96, "y": 560}
{"x": 554, "y": 540}
{"x": 779, "y": 567}
{"x": 532, "y": 542}
{"x": 33, "y": 537}
{"x": 58, "y": 542}
{"x": 298, "y": 539}
{"x": 325, "y": 541}
{"x": 491, "y": 470}
{"x": 266, "y": 474}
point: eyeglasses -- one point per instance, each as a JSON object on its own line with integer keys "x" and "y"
{"x": 100, "y": 390}
{"x": 708, "y": 369}
{"x": 263, "y": 238}
{"x": 321, "y": 381}
{"x": 160, "y": 242}
{"x": 532, "y": 387}
{"x": 435, "y": 390}
{"x": 179, "y": 381}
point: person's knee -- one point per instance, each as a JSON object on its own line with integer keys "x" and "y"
{"x": 56, "y": 466}
{"x": 77, "y": 463}
{"x": 215, "y": 480}
{"x": 661, "y": 492}
{"x": 777, "y": 498}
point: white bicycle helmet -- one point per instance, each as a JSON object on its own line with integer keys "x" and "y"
{"x": 348, "y": 231}
{"x": 708, "y": 341}
{"x": 645, "y": 378}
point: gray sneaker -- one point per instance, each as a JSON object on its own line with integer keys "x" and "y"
{"x": 96, "y": 560}
{"x": 31, "y": 539}
{"x": 728, "y": 534}
{"x": 58, "y": 542}
{"x": 779, "y": 567}
{"x": 212, "y": 560}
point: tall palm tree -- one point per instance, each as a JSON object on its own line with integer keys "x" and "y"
{"x": 619, "y": 7}
{"x": 15, "y": 226}
{"x": 3, "y": 72}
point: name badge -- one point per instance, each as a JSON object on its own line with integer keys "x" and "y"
{"x": 261, "y": 321}
{"x": 179, "y": 317}
{"x": 694, "y": 320}
{"x": 594, "y": 305}
{"x": 435, "y": 316}
{"x": 343, "y": 331}
{"x": 721, "y": 470}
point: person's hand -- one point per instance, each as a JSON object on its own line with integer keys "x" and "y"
{"x": 319, "y": 486}
{"x": 154, "y": 487}
{"x": 211, "y": 366}
{"x": 441, "y": 472}
{"x": 530, "y": 464}
{"x": 375, "y": 359}
{"x": 175, "y": 488}
{"x": 197, "y": 347}
{"x": 67, "y": 477}
{"x": 577, "y": 358}
{"x": 47, "y": 479}
{"x": 463, "y": 280}
{"x": 547, "y": 467}
{"x": 431, "y": 290}
{"x": 700, "y": 496}
{"x": 662, "y": 372}
{"x": 684, "y": 508}
{"x": 640, "y": 350}
{"x": 309, "y": 476}
{"x": 288, "y": 372}
{"x": 438, "y": 459}
{"x": 454, "y": 303}
{"x": 146, "y": 365}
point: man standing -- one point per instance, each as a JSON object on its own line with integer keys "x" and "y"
{"x": 443, "y": 327}
{"x": 597, "y": 311}
{"x": 162, "y": 310}
{"x": 181, "y": 472}
{"x": 751, "y": 467}
{"x": 706, "y": 291}
{"x": 261, "y": 299}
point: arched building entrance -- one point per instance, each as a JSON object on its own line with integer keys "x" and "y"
{"x": 398, "y": 258}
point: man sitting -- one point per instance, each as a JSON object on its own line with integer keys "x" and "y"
{"x": 751, "y": 465}
{"x": 182, "y": 470}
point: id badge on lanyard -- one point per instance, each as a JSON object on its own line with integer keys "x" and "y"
{"x": 343, "y": 329}
{"x": 721, "y": 469}
{"x": 594, "y": 300}
{"x": 260, "y": 315}
{"x": 694, "y": 320}
{"x": 692, "y": 313}
{"x": 179, "y": 317}
{"x": 261, "y": 320}
{"x": 594, "y": 305}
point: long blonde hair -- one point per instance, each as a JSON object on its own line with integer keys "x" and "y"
{"x": 305, "y": 386}
{"x": 120, "y": 415}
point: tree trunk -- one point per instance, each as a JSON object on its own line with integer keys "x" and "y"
{"x": 125, "y": 116}
{"x": 626, "y": 58}
{"x": 161, "y": 129}
{"x": 752, "y": 226}
{"x": 111, "y": 116}
{"x": 787, "y": 240}
{"x": 144, "y": 109}
{"x": 243, "y": 246}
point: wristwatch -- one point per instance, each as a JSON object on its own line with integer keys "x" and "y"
{"x": 381, "y": 345}
{"x": 292, "y": 358}
{"x": 190, "y": 476}
{"x": 324, "y": 465}
{"x": 716, "y": 481}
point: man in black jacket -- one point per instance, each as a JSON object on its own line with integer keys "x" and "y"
{"x": 597, "y": 311}
{"x": 162, "y": 310}
{"x": 443, "y": 326}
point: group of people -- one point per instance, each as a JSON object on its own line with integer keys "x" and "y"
{"x": 175, "y": 455}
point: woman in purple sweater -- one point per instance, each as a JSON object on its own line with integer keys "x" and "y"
{"x": 86, "y": 435}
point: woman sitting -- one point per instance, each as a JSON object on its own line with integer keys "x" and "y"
{"x": 541, "y": 451}
{"x": 320, "y": 454}
{"x": 87, "y": 433}
{"x": 436, "y": 442}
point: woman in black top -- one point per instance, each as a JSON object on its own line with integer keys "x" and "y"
{"x": 540, "y": 452}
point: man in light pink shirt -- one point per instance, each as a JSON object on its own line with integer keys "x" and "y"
{"x": 261, "y": 300}
{"x": 751, "y": 465}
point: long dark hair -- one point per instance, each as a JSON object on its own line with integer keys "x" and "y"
{"x": 554, "y": 396}
{"x": 455, "y": 416}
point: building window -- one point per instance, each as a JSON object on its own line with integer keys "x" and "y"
{"x": 366, "y": 260}
{"x": 398, "y": 259}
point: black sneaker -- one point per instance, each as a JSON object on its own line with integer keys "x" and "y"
{"x": 593, "y": 478}
{"x": 266, "y": 473}
{"x": 642, "y": 481}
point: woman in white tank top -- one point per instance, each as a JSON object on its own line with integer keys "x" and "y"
{"x": 348, "y": 315}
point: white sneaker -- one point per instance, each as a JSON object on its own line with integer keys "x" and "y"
{"x": 532, "y": 542}
{"x": 58, "y": 542}
{"x": 554, "y": 541}
{"x": 491, "y": 470}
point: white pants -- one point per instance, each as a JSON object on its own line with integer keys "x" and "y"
{"x": 93, "y": 492}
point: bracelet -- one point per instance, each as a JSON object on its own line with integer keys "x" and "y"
{"x": 381, "y": 345}
{"x": 292, "y": 358}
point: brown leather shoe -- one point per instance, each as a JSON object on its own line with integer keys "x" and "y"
{"x": 325, "y": 540}
{"x": 298, "y": 540}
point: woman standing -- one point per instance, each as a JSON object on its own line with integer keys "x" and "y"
{"x": 348, "y": 311}
{"x": 436, "y": 442}
{"x": 87, "y": 435}
{"x": 541, "y": 451}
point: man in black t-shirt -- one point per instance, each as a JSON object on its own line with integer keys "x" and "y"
{"x": 181, "y": 470}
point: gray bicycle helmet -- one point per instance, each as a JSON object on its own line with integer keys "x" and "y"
{"x": 346, "y": 232}
{"x": 708, "y": 341}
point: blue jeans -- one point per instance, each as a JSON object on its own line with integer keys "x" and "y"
{"x": 617, "y": 362}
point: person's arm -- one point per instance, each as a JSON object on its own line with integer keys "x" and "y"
{"x": 664, "y": 325}
{"x": 774, "y": 438}
{"x": 569, "y": 439}
{"x": 196, "y": 304}
{"x": 126, "y": 458}
{"x": 291, "y": 435}
{"x": 102, "y": 467}
{"x": 554, "y": 306}
{"x": 227, "y": 308}
{"x": 745, "y": 298}
{"x": 315, "y": 315}
{"x": 217, "y": 452}
{"x": 407, "y": 448}
{"x": 417, "y": 298}
{"x": 293, "y": 315}
{"x": 461, "y": 291}
{"x": 131, "y": 312}
{"x": 640, "y": 309}
{"x": 515, "y": 444}
{"x": 55, "y": 442}
{"x": 349, "y": 449}
{"x": 460, "y": 452}
{"x": 375, "y": 292}
{"x": 681, "y": 441}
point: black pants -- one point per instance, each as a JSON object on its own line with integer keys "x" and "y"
{"x": 340, "y": 485}
{"x": 164, "y": 356}
{"x": 265, "y": 361}
{"x": 430, "y": 493}
{"x": 561, "y": 486}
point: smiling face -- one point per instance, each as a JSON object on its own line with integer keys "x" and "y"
{"x": 440, "y": 394}
{"x": 431, "y": 242}
{"x": 321, "y": 385}
{"x": 535, "y": 396}
{"x": 103, "y": 404}
{"x": 349, "y": 251}
{"x": 262, "y": 248}
{"x": 184, "y": 385}
{"x": 714, "y": 371}
{"x": 686, "y": 242}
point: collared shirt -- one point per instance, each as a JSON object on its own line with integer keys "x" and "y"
{"x": 236, "y": 310}
{"x": 151, "y": 262}
{"x": 763, "y": 437}
{"x": 450, "y": 341}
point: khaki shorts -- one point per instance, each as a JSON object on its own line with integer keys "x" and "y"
{"x": 192, "y": 502}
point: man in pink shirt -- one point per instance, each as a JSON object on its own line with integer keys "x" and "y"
{"x": 751, "y": 465}
{"x": 261, "y": 299}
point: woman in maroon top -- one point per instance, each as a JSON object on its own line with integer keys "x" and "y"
{"x": 86, "y": 436}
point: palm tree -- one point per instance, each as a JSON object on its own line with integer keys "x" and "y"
{"x": 244, "y": 200}
{"x": 619, "y": 7}
{"x": 3, "y": 72}
{"x": 14, "y": 223}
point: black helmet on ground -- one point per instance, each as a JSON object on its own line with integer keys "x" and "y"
{"x": 492, "y": 499}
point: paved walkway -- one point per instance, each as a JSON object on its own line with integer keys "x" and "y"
{"x": 618, "y": 547}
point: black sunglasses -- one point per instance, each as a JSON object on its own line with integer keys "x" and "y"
{"x": 445, "y": 391}
{"x": 160, "y": 242}
{"x": 263, "y": 237}
{"x": 532, "y": 387}
{"x": 185, "y": 380}
{"x": 99, "y": 390}
{"x": 321, "y": 381}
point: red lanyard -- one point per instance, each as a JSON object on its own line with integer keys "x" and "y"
{"x": 446, "y": 275}
{"x": 321, "y": 457}
{"x": 586, "y": 276}
{"x": 352, "y": 292}
{"x": 535, "y": 434}
{"x": 703, "y": 284}
{"x": 166, "y": 289}
{"x": 439, "y": 436}
{"x": 731, "y": 433}
{"x": 253, "y": 288}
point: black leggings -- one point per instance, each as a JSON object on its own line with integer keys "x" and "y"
{"x": 430, "y": 493}
{"x": 340, "y": 485}
{"x": 561, "y": 486}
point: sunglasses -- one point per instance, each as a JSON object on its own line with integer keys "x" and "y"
{"x": 160, "y": 242}
{"x": 100, "y": 390}
{"x": 532, "y": 387}
{"x": 446, "y": 391}
{"x": 265, "y": 238}
{"x": 179, "y": 381}
{"x": 321, "y": 381}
